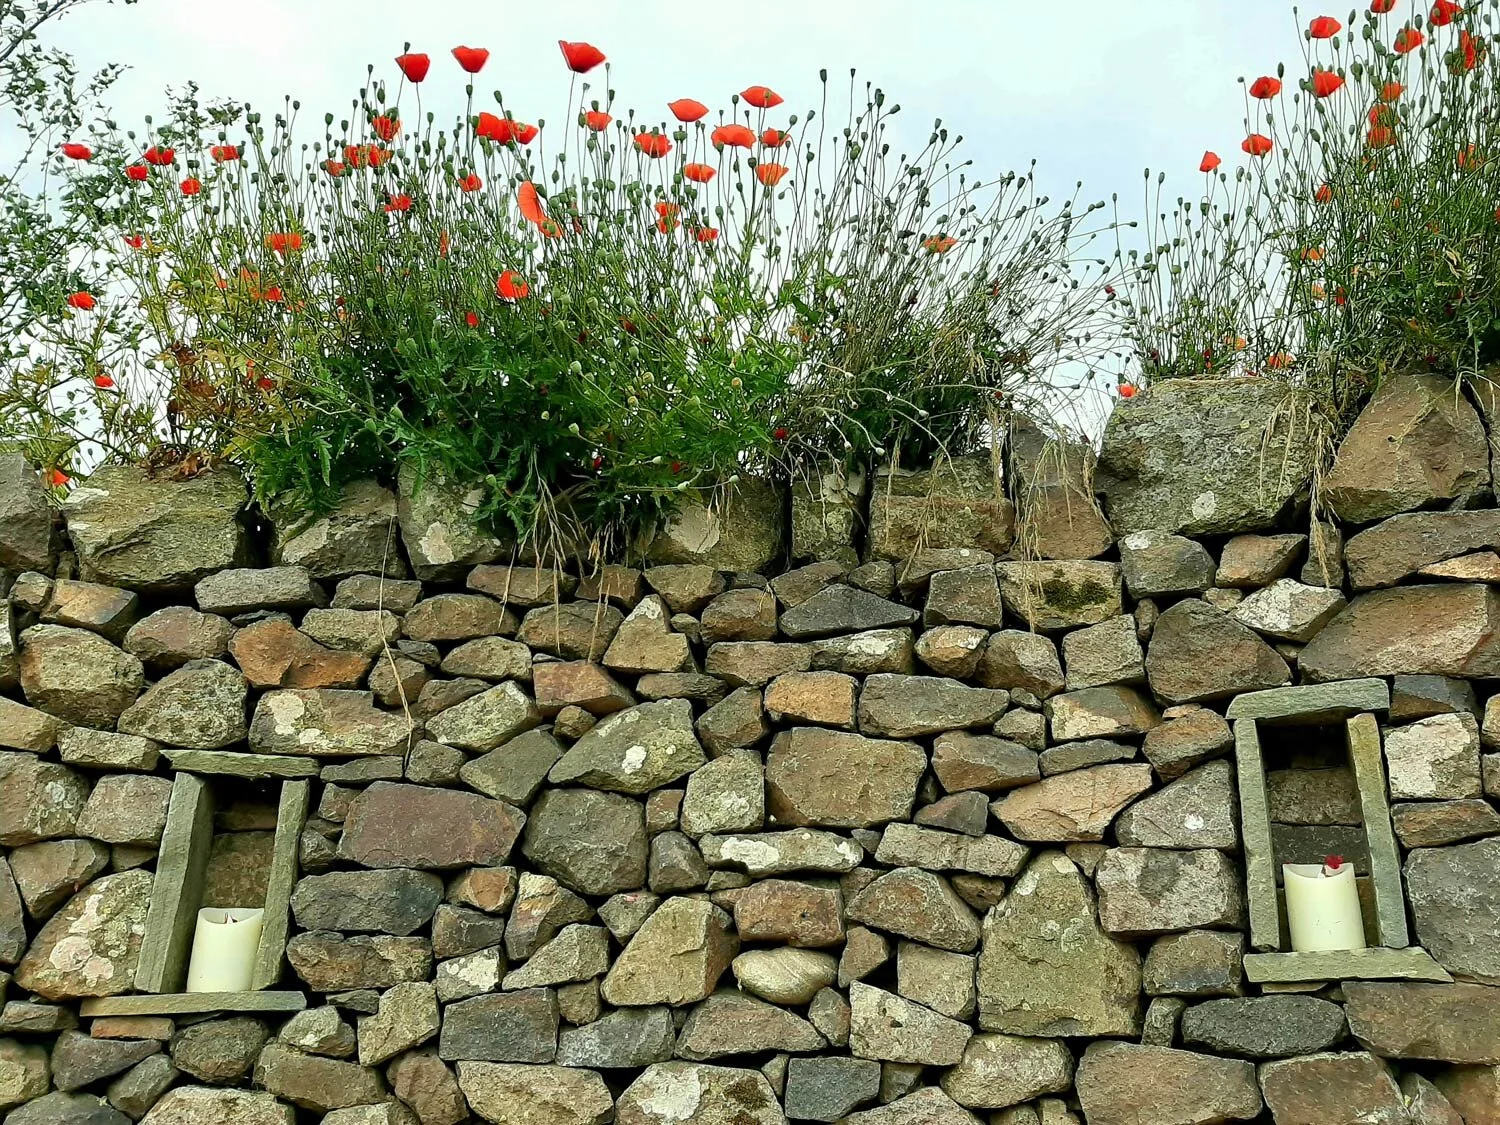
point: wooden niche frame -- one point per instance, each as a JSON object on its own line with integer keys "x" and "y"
{"x": 177, "y": 893}
{"x": 1354, "y": 703}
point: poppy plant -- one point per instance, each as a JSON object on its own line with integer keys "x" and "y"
{"x": 597, "y": 120}
{"x": 1391, "y": 91}
{"x": 284, "y": 242}
{"x": 385, "y": 127}
{"x": 698, "y": 173}
{"x": 761, "y": 97}
{"x": 74, "y": 151}
{"x": 414, "y": 66}
{"x": 274, "y": 294}
{"x": 1128, "y": 390}
{"x": 400, "y": 202}
{"x": 161, "y": 157}
{"x": 688, "y": 110}
{"x": 135, "y": 241}
{"x": 1324, "y": 194}
{"x": 530, "y": 204}
{"x": 734, "y": 136}
{"x": 1256, "y": 144}
{"x": 706, "y": 234}
{"x": 81, "y": 300}
{"x": 138, "y": 172}
{"x": 471, "y": 319}
{"x": 1210, "y": 162}
{"x": 471, "y": 59}
{"x": 191, "y": 186}
{"x": 775, "y": 138}
{"x": 1443, "y": 12}
{"x": 654, "y": 145}
{"x": 1265, "y": 87}
{"x": 1382, "y": 7}
{"x": 781, "y": 433}
{"x": 365, "y": 156}
{"x": 1324, "y": 27}
{"x": 103, "y": 382}
{"x": 224, "y": 153}
{"x": 1408, "y": 39}
{"x": 471, "y": 182}
{"x": 580, "y": 57}
{"x": 511, "y": 286}
{"x": 668, "y": 221}
{"x": 1326, "y": 83}
{"x": 770, "y": 174}
{"x": 939, "y": 244}
{"x": 57, "y": 478}
{"x": 334, "y": 167}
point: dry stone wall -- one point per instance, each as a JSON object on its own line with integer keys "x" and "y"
{"x": 924, "y": 806}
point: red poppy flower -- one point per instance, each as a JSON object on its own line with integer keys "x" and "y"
{"x": 1391, "y": 91}
{"x": 1210, "y": 162}
{"x": 1256, "y": 144}
{"x": 135, "y": 241}
{"x": 57, "y": 478}
{"x": 525, "y": 134}
{"x": 1280, "y": 360}
{"x": 161, "y": 157}
{"x": 511, "y": 286}
{"x": 654, "y": 145}
{"x": 334, "y": 167}
{"x": 443, "y": 244}
{"x": 400, "y": 202}
{"x": 471, "y": 319}
{"x": 1326, "y": 83}
{"x": 687, "y": 109}
{"x": 282, "y": 242}
{"x": 676, "y": 466}
{"x": 274, "y": 294}
{"x": 365, "y": 156}
{"x": 1470, "y": 158}
{"x": 504, "y": 130}
{"x": 761, "y": 97}
{"x": 668, "y": 221}
{"x": 1324, "y": 194}
{"x": 770, "y": 174}
{"x": 138, "y": 172}
{"x": 223, "y": 153}
{"x": 738, "y": 136}
{"x": 1408, "y": 39}
{"x": 191, "y": 186}
{"x": 597, "y": 120}
{"x": 1324, "y": 27}
{"x": 471, "y": 182}
{"x": 698, "y": 173}
{"x": 775, "y": 138}
{"x": 75, "y": 151}
{"x": 266, "y": 383}
{"x": 103, "y": 382}
{"x": 1443, "y": 12}
{"x": 414, "y": 66}
{"x": 81, "y": 300}
{"x": 781, "y": 433}
{"x": 1382, "y": 7}
{"x": 471, "y": 59}
{"x": 1381, "y": 136}
{"x": 939, "y": 244}
{"x": 580, "y": 57}
{"x": 1468, "y": 48}
{"x": 530, "y": 204}
{"x": 385, "y": 127}
{"x": 1265, "y": 87}
{"x": 1128, "y": 390}
{"x": 706, "y": 234}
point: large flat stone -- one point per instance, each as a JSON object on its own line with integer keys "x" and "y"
{"x": 390, "y": 825}
{"x": 1454, "y": 894}
{"x": 1452, "y": 629}
{"x": 1405, "y": 544}
{"x": 1130, "y": 1084}
{"x": 1457, "y": 1023}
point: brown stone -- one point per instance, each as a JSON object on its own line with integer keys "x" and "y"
{"x": 1474, "y": 1091}
{"x": 676, "y": 957}
{"x": 575, "y": 631}
{"x": 798, "y": 914}
{"x": 836, "y": 779}
{"x": 392, "y": 825}
{"x": 330, "y": 962}
{"x": 1114, "y": 711}
{"x": 1131, "y": 1084}
{"x": 756, "y": 663}
{"x": 26, "y": 728}
{"x": 1199, "y": 654}
{"x": 1445, "y": 630}
{"x": 522, "y": 585}
{"x": 48, "y": 873}
{"x": 1250, "y": 561}
{"x": 458, "y": 617}
{"x": 77, "y": 675}
{"x": 1054, "y": 596}
{"x": 1181, "y": 743}
{"x": 90, "y": 947}
{"x": 1412, "y": 543}
{"x": 964, "y": 761}
{"x": 1072, "y": 806}
{"x": 960, "y": 503}
{"x": 1457, "y": 1023}
{"x": 315, "y": 1083}
{"x": 578, "y": 683}
{"x": 1332, "y": 1089}
{"x": 825, "y": 698}
{"x": 39, "y": 800}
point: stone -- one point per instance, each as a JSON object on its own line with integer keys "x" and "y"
{"x": 577, "y": 953}
{"x": 825, "y": 515}
{"x": 315, "y": 1083}
{"x": 809, "y": 773}
{"x": 1072, "y": 756}
{"x": 1325, "y": 555}
{"x": 1198, "y": 654}
{"x": 471, "y": 974}
{"x": 489, "y": 658}
{"x": 952, "y": 650}
{"x": 1425, "y": 1104}
{"x": 26, "y": 728}
{"x": 634, "y": 751}
{"x": 508, "y": 1027}
{"x": 156, "y": 535}
{"x": 219, "y": 1052}
{"x": 1114, "y": 711}
{"x": 1289, "y": 611}
{"x": 812, "y": 697}
{"x": 781, "y": 853}
{"x": 1191, "y": 458}
{"x": 80, "y": 1060}
{"x": 1130, "y": 1084}
{"x": 798, "y": 914}
{"x": 1195, "y": 963}
{"x": 484, "y": 721}
{"x": 247, "y": 589}
{"x": 590, "y": 841}
{"x": 200, "y": 706}
{"x": 432, "y": 763}
{"x": 1157, "y": 563}
{"x": 1434, "y": 758}
{"x": 1093, "y": 982}
{"x": 1306, "y": 796}
{"x": 439, "y": 527}
{"x": 407, "y": 1018}
{"x": 371, "y": 591}
{"x": 968, "y": 596}
{"x": 920, "y": 905}
{"x": 513, "y": 1094}
{"x": 58, "y": 1108}
{"x": 1181, "y": 743}
{"x": 1427, "y": 824}
{"x": 756, "y": 663}
{"x": 47, "y": 873}
{"x": 1155, "y": 890}
{"x": 1004, "y": 1070}
{"x": 672, "y": 1092}
{"x": 25, "y": 1073}
{"x": 963, "y": 761}
{"x": 364, "y": 631}
{"x": 457, "y": 930}
{"x": 31, "y": 1018}
{"x": 1445, "y": 630}
{"x": 785, "y": 975}
{"x": 1059, "y": 518}
{"x": 744, "y": 614}
{"x": 578, "y": 684}
{"x": 1351, "y": 1088}
{"x": 328, "y": 961}
{"x": 826, "y": 1089}
{"x": 1474, "y": 1091}
{"x": 126, "y": 809}
{"x": 843, "y": 609}
{"x": 39, "y": 800}
{"x": 105, "y": 610}
{"x": 1264, "y": 1027}
{"x": 686, "y": 588}
{"x": 394, "y": 901}
{"x": 725, "y": 795}
{"x": 1416, "y": 444}
{"x": 136, "y": 1091}
{"x": 105, "y": 750}
{"x": 515, "y": 770}
{"x": 28, "y": 540}
{"x": 867, "y": 653}
{"x": 1251, "y": 561}
{"x": 204, "y": 1105}
{"x": 622, "y": 1038}
{"x": 319, "y": 1031}
{"x": 1072, "y": 806}
{"x": 728, "y": 1023}
{"x": 645, "y": 642}
{"x": 889, "y": 1027}
{"x": 78, "y": 676}
{"x": 676, "y": 957}
{"x": 1456, "y": 1023}
{"x": 90, "y": 946}
{"x": 1054, "y": 596}
{"x": 390, "y": 825}
{"x": 622, "y": 585}
{"x": 966, "y": 812}
{"x": 925, "y": 1106}
{"x": 1417, "y": 697}
{"x": 357, "y": 536}
{"x": 738, "y": 720}
{"x": 743, "y": 529}
{"x": 526, "y": 586}
{"x": 897, "y": 706}
{"x": 1414, "y": 542}
{"x": 1106, "y": 653}
{"x": 959, "y": 503}
{"x": 273, "y": 654}
{"x": 326, "y": 723}
{"x": 457, "y": 617}
{"x": 1160, "y": 1026}
{"x": 1196, "y": 811}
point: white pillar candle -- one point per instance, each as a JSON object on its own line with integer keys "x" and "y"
{"x": 224, "y": 948}
{"x": 1322, "y": 906}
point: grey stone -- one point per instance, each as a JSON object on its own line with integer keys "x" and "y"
{"x": 407, "y": 1018}
{"x": 100, "y": 932}
{"x": 219, "y": 1052}
{"x": 28, "y": 540}
{"x": 1113, "y": 711}
{"x": 80, "y": 1060}
{"x": 438, "y": 525}
{"x": 515, "y": 770}
{"x": 535, "y": 1095}
{"x": 172, "y": 636}
{"x": 1426, "y": 824}
{"x": 781, "y": 853}
{"x": 1195, "y": 963}
{"x": 592, "y": 842}
{"x": 1155, "y": 890}
{"x": 356, "y": 537}
{"x": 1162, "y": 1014}
{"x": 1130, "y": 1084}
{"x": 126, "y": 809}
{"x": 200, "y": 706}
{"x": 1264, "y": 1027}
{"x": 909, "y": 706}
{"x": 865, "y": 654}
{"x": 1196, "y": 811}
{"x": 920, "y": 905}
{"x": 58, "y": 1108}
{"x": 743, "y": 529}
{"x": 1054, "y": 596}
{"x": 725, "y": 795}
{"x": 620, "y": 1039}
{"x": 241, "y": 590}
{"x": 1434, "y": 758}
{"x": 634, "y": 751}
{"x": 487, "y": 720}
{"x": 1289, "y": 611}
{"x": 1332, "y": 1087}
{"x": 1313, "y": 797}
{"x": 1077, "y": 806}
{"x": 728, "y": 1023}
{"x": 1417, "y": 697}
{"x": 105, "y": 750}
{"x": 785, "y": 975}
{"x": 1157, "y": 563}
{"x": 326, "y": 723}
{"x": 889, "y": 1027}
{"x": 958, "y": 503}
{"x": 509, "y": 1027}
{"x": 1106, "y": 653}
{"x": 1199, "y": 654}
{"x": 672, "y": 1092}
{"x": 78, "y": 676}
{"x": 1181, "y": 743}
{"x": 395, "y": 901}
{"x": 315, "y": 1083}
{"x": 140, "y": 1087}
{"x": 843, "y": 609}
{"x": 968, "y": 596}
{"x": 1004, "y": 1070}
{"x": 1072, "y": 756}
{"x": 909, "y": 845}
{"x": 825, "y": 515}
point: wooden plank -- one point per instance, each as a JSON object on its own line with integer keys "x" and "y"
{"x": 1310, "y": 704}
{"x": 178, "y": 887}
{"x": 1375, "y": 963}
{"x": 1255, "y": 831}
{"x": 1385, "y": 858}
{"x": 291, "y": 814}
{"x": 193, "y": 1003}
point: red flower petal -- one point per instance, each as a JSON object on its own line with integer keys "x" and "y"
{"x": 1326, "y": 83}
{"x": 775, "y": 138}
{"x": 385, "y": 127}
{"x": 1324, "y": 27}
{"x": 1443, "y": 12}
{"x": 761, "y": 97}
{"x": 1256, "y": 144}
{"x": 770, "y": 174}
{"x": 687, "y": 109}
{"x": 654, "y": 145}
{"x": 580, "y": 57}
{"x": 597, "y": 120}
{"x": 471, "y": 182}
{"x": 224, "y": 153}
{"x": 1265, "y": 87}
{"x": 1210, "y": 162}
{"x": 1128, "y": 390}
{"x": 1382, "y": 7}
{"x": 471, "y": 59}
{"x": 81, "y": 300}
{"x": 510, "y": 286}
{"x": 414, "y": 66}
{"x": 706, "y": 234}
{"x": 138, "y": 172}
{"x": 698, "y": 173}
{"x": 739, "y": 136}
{"x": 1408, "y": 39}
{"x": 191, "y": 186}
{"x": 161, "y": 157}
{"x": 75, "y": 151}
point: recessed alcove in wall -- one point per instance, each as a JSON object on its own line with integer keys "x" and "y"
{"x": 1324, "y": 734}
